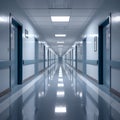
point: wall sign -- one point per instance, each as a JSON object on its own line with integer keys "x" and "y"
{"x": 95, "y": 44}
{"x": 26, "y": 33}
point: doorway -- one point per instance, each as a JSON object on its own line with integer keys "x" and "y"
{"x": 104, "y": 53}
{"x": 36, "y": 55}
{"x": 106, "y": 56}
{"x": 84, "y": 56}
{"x": 16, "y": 53}
{"x": 76, "y": 57}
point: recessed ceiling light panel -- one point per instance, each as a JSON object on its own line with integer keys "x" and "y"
{"x": 60, "y": 109}
{"x": 60, "y": 35}
{"x": 60, "y": 18}
{"x": 60, "y": 46}
{"x": 60, "y": 85}
{"x": 60, "y": 42}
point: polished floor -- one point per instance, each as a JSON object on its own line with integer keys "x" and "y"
{"x": 59, "y": 94}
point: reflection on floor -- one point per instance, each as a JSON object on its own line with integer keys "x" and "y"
{"x": 58, "y": 94}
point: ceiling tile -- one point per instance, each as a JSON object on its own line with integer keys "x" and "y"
{"x": 85, "y": 3}
{"x": 33, "y": 4}
{"x": 60, "y": 3}
{"x": 76, "y": 19}
{"x": 60, "y": 12}
{"x": 80, "y": 12}
{"x": 38, "y": 12}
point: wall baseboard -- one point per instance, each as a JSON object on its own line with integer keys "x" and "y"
{"x": 79, "y": 71}
{"x": 39, "y": 72}
{"x": 91, "y": 78}
{"x": 29, "y": 78}
{"x": 87, "y": 76}
{"x": 5, "y": 92}
{"x": 115, "y": 92}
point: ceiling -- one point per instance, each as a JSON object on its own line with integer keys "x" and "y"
{"x": 80, "y": 12}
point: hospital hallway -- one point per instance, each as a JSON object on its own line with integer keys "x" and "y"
{"x": 59, "y": 93}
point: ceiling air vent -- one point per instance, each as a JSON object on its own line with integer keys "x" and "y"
{"x": 57, "y": 4}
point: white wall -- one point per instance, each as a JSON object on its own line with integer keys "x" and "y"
{"x": 29, "y": 49}
{"x": 92, "y": 71}
{"x": 6, "y": 7}
{"x": 4, "y": 32}
{"x": 115, "y": 56}
{"x": 28, "y": 71}
{"x": 74, "y": 57}
{"x": 4, "y": 79}
{"x": 115, "y": 38}
{"x": 115, "y": 79}
{"x": 91, "y": 30}
{"x": 91, "y": 54}
{"x": 80, "y": 66}
{"x": 40, "y": 51}
{"x": 40, "y": 66}
{"x": 46, "y": 56}
{"x": 80, "y": 56}
{"x": 4, "y": 49}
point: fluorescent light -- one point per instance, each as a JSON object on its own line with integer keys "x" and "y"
{"x": 60, "y": 85}
{"x": 93, "y": 35}
{"x": 41, "y": 94}
{"x": 60, "y": 75}
{"x": 116, "y": 19}
{"x": 80, "y": 94}
{"x": 60, "y": 35}
{"x": 60, "y": 42}
{"x": 60, "y": 79}
{"x": 60, "y": 109}
{"x": 3, "y": 19}
{"x": 43, "y": 42}
{"x": 60, "y": 94}
{"x": 60, "y": 46}
{"x": 60, "y": 18}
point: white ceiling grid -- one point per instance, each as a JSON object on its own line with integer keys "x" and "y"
{"x": 80, "y": 12}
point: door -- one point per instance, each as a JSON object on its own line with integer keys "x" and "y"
{"x": 106, "y": 56}
{"x": 72, "y": 58}
{"x": 80, "y": 56}
{"x": 14, "y": 51}
{"x": 76, "y": 57}
{"x": 44, "y": 56}
{"x": 84, "y": 56}
{"x": 48, "y": 58}
{"x": 36, "y": 56}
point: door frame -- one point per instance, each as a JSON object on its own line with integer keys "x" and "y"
{"x": 44, "y": 57}
{"x": 76, "y": 57}
{"x": 72, "y": 57}
{"x": 36, "y": 55}
{"x": 101, "y": 50}
{"x": 84, "y": 56}
{"x": 48, "y": 56}
{"x": 14, "y": 21}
